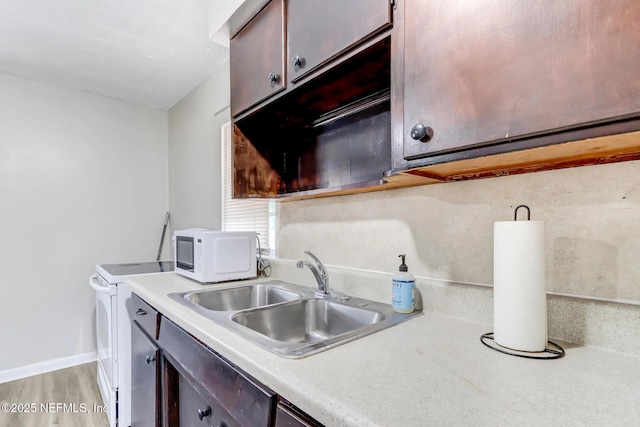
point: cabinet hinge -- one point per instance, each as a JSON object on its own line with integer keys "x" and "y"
{"x": 394, "y": 4}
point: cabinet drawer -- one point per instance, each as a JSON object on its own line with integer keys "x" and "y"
{"x": 221, "y": 384}
{"x": 145, "y": 315}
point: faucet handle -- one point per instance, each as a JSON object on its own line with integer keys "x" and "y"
{"x": 318, "y": 262}
{"x": 322, "y": 275}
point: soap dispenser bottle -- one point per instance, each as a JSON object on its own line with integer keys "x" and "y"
{"x": 403, "y": 283}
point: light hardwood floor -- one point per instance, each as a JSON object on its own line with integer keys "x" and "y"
{"x": 65, "y": 398}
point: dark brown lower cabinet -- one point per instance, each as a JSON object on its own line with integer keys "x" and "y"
{"x": 145, "y": 363}
{"x": 288, "y": 416}
{"x": 210, "y": 389}
{"x": 187, "y": 405}
{"x": 177, "y": 381}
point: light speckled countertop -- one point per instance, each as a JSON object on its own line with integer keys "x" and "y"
{"x": 431, "y": 370}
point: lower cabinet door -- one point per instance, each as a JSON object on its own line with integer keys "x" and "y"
{"x": 235, "y": 398}
{"x": 145, "y": 358}
{"x": 197, "y": 411}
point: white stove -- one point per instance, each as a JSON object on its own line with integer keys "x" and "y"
{"x": 113, "y": 330}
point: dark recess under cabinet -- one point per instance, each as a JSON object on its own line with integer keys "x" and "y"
{"x": 332, "y": 132}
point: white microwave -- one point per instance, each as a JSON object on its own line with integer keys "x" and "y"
{"x": 215, "y": 256}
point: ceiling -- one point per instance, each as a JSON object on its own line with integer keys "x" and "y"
{"x": 149, "y": 52}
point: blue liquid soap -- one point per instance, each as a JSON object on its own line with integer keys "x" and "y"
{"x": 403, "y": 285}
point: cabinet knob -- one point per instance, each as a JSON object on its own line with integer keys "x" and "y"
{"x": 421, "y": 133}
{"x": 273, "y": 78}
{"x": 296, "y": 61}
{"x": 150, "y": 359}
{"x": 204, "y": 412}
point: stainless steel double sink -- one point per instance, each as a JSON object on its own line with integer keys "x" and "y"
{"x": 290, "y": 320}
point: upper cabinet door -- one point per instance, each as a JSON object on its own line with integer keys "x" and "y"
{"x": 257, "y": 58}
{"x": 487, "y": 71}
{"x": 320, "y": 30}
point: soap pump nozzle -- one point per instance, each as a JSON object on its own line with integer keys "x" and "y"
{"x": 403, "y": 266}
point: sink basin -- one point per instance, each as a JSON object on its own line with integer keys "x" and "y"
{"x": 242, "y": 298}
{"x": 307, "y": 321}
{"x": 290, "y": 320}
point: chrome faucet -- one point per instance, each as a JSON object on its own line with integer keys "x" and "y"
{"x": 318, "y": 271}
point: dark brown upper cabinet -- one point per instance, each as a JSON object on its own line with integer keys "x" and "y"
{"x": 329, "y": 130}
{"x": 256, "y": 58}
{"x": 331, "y": 134}
{"x": 493, "y": 73}
{"x": 376, "y": 94}
{"x": 320, "y": 30}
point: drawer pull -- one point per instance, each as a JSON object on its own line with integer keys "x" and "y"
{"x": 140, "y": 312}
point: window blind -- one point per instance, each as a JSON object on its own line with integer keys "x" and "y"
{"x": 241, "y": 214}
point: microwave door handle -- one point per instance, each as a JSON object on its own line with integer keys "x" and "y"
{"x": 93, "y": 282}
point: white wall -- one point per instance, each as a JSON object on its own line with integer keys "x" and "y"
{"x": 83, "y": 180}
{"x": 194, "y": 153}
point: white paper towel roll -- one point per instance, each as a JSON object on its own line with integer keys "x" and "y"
{"x": 519, "y": 290}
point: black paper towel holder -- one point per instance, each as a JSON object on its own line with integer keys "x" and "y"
{"x": 552, "y": 350}
{"x": 555, "y": 352}
{"x": 515, "y": 212}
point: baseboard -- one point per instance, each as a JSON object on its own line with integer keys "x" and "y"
{"x": 47, "y": 366}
